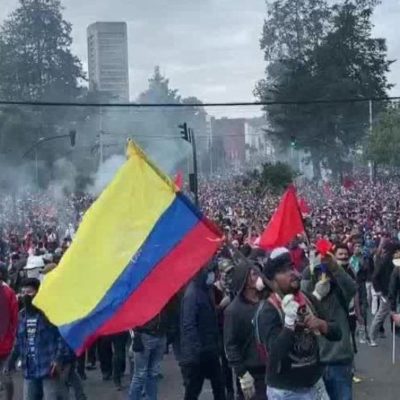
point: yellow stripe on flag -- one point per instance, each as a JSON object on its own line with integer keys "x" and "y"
{"x": 111, "y": 233}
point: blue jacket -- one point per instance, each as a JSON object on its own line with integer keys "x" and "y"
{"x": 198, "y": 323}
{"x": 47, "y": 346}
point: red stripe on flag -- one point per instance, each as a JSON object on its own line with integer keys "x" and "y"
{"x": 166, "y": 279}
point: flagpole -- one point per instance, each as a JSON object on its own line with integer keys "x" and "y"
{"x": 302, "y": 219}
{"x": 394, "y": 343}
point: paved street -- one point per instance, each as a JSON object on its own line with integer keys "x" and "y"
{"x": 381, "y": 380}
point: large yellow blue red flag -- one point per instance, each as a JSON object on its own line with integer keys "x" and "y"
{"x": 137, "y": 245}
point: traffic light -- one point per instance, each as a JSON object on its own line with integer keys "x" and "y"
{"x": 185, "y": 132}
{"x": 72, "y": 137}
{"x": 293, "y": 141}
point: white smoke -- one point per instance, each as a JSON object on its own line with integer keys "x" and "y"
{"x": 166, "y": 157}
{"x": 105, "y": 174}
{"x": 64, "y": 179}
{"x": 167, "y": 154}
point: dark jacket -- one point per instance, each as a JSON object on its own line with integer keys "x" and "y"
{"x": 49, "y": 345}
{"x": 394, "y": 289}
{"x": 239, "y": 339}
{"x": 381, "y": 277}
{"x": 335, "y": 306}
{"x": 198, "y": 323}
{"x": 293, "y": 356}
{"x": 163, "y": 323}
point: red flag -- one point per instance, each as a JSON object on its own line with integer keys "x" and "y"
{"x": 348, "y": 183}
{"x": 304, "y": 207}
{"x": 323, "y": 246}
{"x": 285, "y": 224}
{"x": 179, "y": 180}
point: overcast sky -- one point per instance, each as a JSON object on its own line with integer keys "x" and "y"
{"x": 207, "y": 48}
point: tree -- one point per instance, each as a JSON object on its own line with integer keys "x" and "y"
{"x": 383, "y": 146}
{"x": 321, "y": 53}
{"x": 16, "y": 128}
{"x": 36, "y": 62}
{"x": 159, "y": 121}
{"x": 163, "y": 122}
{"x": 276, "y": 177}
{"x": 292, "y": 31}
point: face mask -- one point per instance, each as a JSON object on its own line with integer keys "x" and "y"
{"x": 260, "y": 286}
{"x": 396, "y": 262}
{"x": 27, "y": 301}
{"x": 210, "y": 278}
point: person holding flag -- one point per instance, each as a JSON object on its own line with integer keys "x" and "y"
{"x": 334, "y": 289}
{"x": 40, "y": 347}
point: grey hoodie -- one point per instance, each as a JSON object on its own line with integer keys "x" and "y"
{"x": 239, "y": 339}
{"x": 343, "y": 289}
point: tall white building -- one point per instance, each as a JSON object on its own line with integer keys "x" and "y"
{"x": 108, "y": 59}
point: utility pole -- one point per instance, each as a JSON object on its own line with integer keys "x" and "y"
{"x": 188, "y": 135}
{"x": 210, "y": 144}
{"x": 371, "y": 164}
{"x": 195, "y": 181}
{"x": 36, "y": 168}
{"x": 101, "y": 136}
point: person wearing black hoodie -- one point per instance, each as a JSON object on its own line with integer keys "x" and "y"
{"x": 199, "y": 339}
{"x": 289, "y": 326}
{"x": 240, "y": 344}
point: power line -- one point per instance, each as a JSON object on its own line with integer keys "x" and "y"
{"x": 181, "y": 105}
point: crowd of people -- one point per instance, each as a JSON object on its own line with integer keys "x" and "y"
{"x": 279, "y": 324}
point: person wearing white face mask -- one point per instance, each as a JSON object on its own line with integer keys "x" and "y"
{"x": 240, "y": 343}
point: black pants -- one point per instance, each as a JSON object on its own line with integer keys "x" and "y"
{"x": 195, "y": 374}
{"x": 89, "y": 356}
{"x": 112, "y": 355}
{"x": 227, "y": 374}
{"x": 105, "y": 355}
{"x": 259, "y": 385}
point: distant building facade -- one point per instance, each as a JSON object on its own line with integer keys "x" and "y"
{"x": 259, "y": 145}
{"x": 229, "y": 143}
{"x": 108, "y": 59}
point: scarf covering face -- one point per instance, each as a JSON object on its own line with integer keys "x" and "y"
{"x": 4, "y": 311}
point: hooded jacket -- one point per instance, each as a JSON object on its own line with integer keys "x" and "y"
{"x": 394, "y": 289}
{"x": 8, "y": 319}
{"x": 198, "y": 323}
{"x": 239, "y": 339}
{"x": 335, "y": 307}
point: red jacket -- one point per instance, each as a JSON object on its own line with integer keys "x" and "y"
{"x": 8, "y": 319}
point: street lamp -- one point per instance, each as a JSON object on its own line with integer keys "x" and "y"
{"x": 71, "y": 135}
